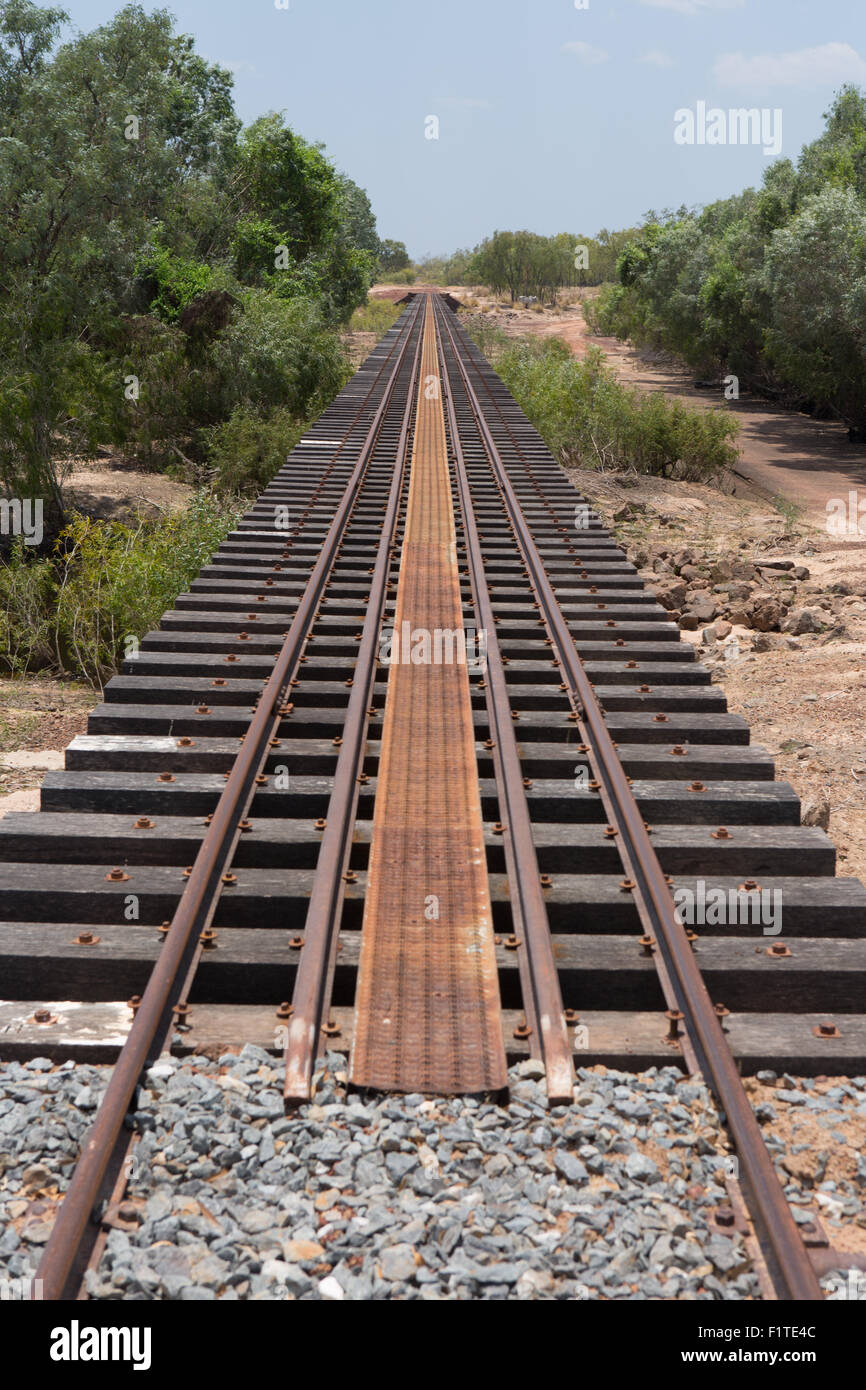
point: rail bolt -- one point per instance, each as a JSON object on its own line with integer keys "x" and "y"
{"x": 777, "y": 950}
{"x": 350, "y": 876}
{"x": 116, "y": 876}
{"x": 296, "y": 943}
{"x": 208, "y": 939}
{"x": 721, "y": 834}
{"x": 43, "y": 1016}
{"x": 571, "y": 1017}
{"x": 185, "y": 743}
{"x": 285, "y": 1010}
{"x": 523, "y": 1030}
{"x": 546, "y": 881}
{"x": 512, "y": 943}
{"x": 627, "y": 885}
{"x": 647, "y": 943}
{"x": 749, "y": 885}
{"x": 331, "y": 1029}
{"x": 86, "y": 938}
{"x": 609, "y": 832}
{"x": 133, "y": 1003}
{"x": 660, "y": 719}
{"x": 245, "y": 825}
{"x": 826, "y": 1031}
{"x": 203, "y": 709}
{"x": 498, "y": 828}
{"x": 220, "y": 680}
{"x": 229, "y": 880}
{"x": 697, "y": 787}
{"x": 320, "y": 823}
{"x": 674, "y": 1018}
{"x": 679, "y": 751}
{"x": 143, "y": 824}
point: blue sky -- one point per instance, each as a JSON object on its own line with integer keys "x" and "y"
{"x": 549, "y": 117}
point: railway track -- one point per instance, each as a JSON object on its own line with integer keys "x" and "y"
{"x": 290, "y": 824}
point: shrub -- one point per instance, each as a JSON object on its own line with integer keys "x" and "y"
{"x": 588, "y": 418}
{"x": 247, "y": 449}
{"x": 376, "y": 316}
{"x": 109, "y": 583}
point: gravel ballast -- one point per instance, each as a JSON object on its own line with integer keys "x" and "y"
{"x": 368, "y": 1197}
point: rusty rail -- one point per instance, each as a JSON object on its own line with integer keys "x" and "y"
{"x": 788, "y": 1260}
{"x": 314, "y": 979}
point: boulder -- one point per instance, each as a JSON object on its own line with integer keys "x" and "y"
{"x": 764, "y": 613}
{"x": 801, "y": 620}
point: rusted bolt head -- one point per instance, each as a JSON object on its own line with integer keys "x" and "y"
{"x": 208, "y": 938}
{"x": 826, "y": 1030}
{"x": 134, "y": 1003}
{"x": 203, "y": 709}
{"x": 572, "y": 1016}
{"x": 285, "y": 1010}
{"x": 181, "y": 1011}
{"x": 697, "y": 787}
{"x": 185, "y": 742}
{"x": 187, "y": 871}
{"x": 660, "y": 719}
{"x": 350, "y": 876}
{"x": 218, "y": 681}
{"x": 296, "y": 943}
{"x": 86, "y": 938}
{"x": 116, "y": 876}
{"x": 610, "y": 831}
{"x": 143, "y": 824}
{"x": 644, "y": 689}
{"x": 331, "y": 1029}
{"x": 749, "y": 885}
{"x": 164, "y": 928}
{"x": 674, "y": 1018}
{"x": 778, "y": 949}
{"x": 627, "y": 885}
{"x": 679, "y": 750}
{"x": 245, "y": 825}
{"x": 488, "y": 743}
{"x": 720, "y": 1011}
{"x": 498, "y": 828}
{"x": 42, "y": 1015}
{"x": 523, "y": 1030}
{"x": 512, "y": 943}
{"x": 320, "y": 824}
{"x": 546, "y": 881}
{"x": 721, "y": 834}
{"x": 229, "y": 879}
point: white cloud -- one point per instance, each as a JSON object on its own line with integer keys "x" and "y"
{"x": 694, "y": 6}
{"x": 657, "y": 59}
{"x": 586, "y": 53}
{"x": 807, "y": 67}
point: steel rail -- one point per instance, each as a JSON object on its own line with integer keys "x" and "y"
{"x": 788, "y": 1259}
{"x": 314, "y": 978}
{"x": 540, "y": 986}
{"x": 61, "y": 1264}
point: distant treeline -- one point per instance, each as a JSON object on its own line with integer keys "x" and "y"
{"x": 517, "y": 263}
{"x": 768, "y": 286}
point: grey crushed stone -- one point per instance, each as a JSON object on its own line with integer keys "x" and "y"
{"x": 383, "y": 1197}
